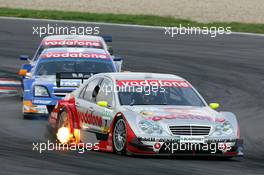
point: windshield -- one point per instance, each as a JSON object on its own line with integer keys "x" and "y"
{"x": 53, "y": 66}
{"x": 159, "y": 96}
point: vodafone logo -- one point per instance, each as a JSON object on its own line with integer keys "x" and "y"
{"x": 157, "y": 146}
{"x": 71, "y": 43}
{"x": 184, "y": 117}
{"x": 74, "y": 55}
{"x": 166, "y": 83}
{"x": 91, "y": 119}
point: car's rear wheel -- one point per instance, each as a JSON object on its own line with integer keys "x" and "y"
{"x": 63, "y": 122}
{"x": 120, "y": 136}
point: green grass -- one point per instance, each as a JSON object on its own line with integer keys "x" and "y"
{"x": 127, "y": 19}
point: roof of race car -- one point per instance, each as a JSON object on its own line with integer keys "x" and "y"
{"x": 73, "y": 37}
{"x": 141, "y": 76}
{"x": 85, "y": 53}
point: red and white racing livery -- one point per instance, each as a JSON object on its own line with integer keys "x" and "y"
{"x": 146, "y": 113}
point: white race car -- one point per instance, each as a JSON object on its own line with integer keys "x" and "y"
{"x": 146, "y": 113}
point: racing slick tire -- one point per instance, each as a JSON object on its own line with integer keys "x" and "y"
{"x": 27, "y": 117}
{"x": 63, "y": 121}
{"x": 120, "y": 136}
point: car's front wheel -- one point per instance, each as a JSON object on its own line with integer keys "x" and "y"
{"x": 120, "y": 136}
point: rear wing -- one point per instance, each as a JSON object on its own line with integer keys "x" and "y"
{"x": 71, "y": 79}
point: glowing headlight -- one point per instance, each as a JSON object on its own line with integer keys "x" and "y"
{"x": 149, "y": 127}
{"x": 40, "y": 91}
{"x": 223, "y": 129}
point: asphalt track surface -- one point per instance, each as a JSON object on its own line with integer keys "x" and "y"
{"x": 227, "y": 69}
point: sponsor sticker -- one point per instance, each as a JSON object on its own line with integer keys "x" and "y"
{"x": 180, "y": 116}
{"x": 157, "y": 83}
{"x": 71, "y": 43}
{"x": 106, "y": 114}
{"x": 91, "y": 119}
{"x": 192, "y": 139}
{"x": 74, "y": 55}
{"x": 70, "y": 83}
{"x": 157, "y": 146}
{"x": 45, "y": 102}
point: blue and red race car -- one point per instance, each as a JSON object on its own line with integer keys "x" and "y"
{"x": 67, "y": 41}
{"x": 50, "y": 78}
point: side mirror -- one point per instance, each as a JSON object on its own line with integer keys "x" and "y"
{"x": 27, "y": 67}
{"x": 102, "y": 104}
{"x": 117, "y": 58}
{"x": 110, "y": 50}
{"x": 22, "y": 72}
{"x": 24, "y": 57}
{"x": 214, "y": 105}
{"x": 108, "y": 39}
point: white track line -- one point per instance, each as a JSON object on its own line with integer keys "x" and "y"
{"x": 110, "y": 24}
{"x": 9, "y": 82}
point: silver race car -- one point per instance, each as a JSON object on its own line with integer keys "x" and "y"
{"x": 145, "y": 113}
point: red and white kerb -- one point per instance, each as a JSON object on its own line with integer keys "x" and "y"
{"x": 165, "y": 83}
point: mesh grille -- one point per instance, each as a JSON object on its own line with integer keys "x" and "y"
{"x": 190, "y": 130}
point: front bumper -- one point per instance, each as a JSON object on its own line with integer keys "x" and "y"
{"x": 219, "y": 148}
{"x": 36, "y": 109}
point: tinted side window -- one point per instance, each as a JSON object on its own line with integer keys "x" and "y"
{"x": 91, "y": 89}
